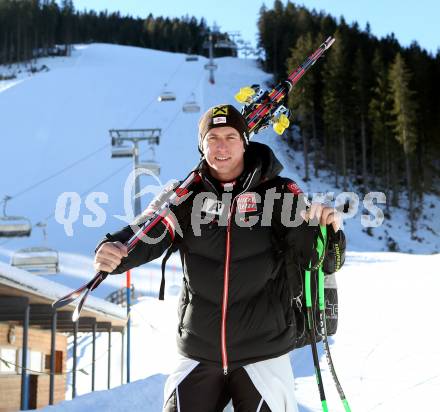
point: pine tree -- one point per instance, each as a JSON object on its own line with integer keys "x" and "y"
{"x": 379, "y": 115}
{"x": 66, "y": 23}
{"x": 404, "y": 111}
{"x": 337, "y": 89}
{"x": 302, "y": 99}
{"x": 361, "y": 96}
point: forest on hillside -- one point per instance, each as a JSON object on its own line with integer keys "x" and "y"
{"x": 36, "y": 28}
{"x": 369, "y": 111}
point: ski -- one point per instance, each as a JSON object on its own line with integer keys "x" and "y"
{"x": 80, "y": 295}
{"x": 262, "y": 108}
{"x": 76, "y": 294}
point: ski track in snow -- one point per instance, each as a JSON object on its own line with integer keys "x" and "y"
{"x": 385, "y": 351}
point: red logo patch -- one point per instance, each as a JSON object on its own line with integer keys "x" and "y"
{"x": 180, "y": 192}
{"x": 247, "y": 202}
{"x": 294, "y": 188}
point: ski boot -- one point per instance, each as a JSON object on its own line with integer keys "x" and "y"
{"x": 248, "y": 94}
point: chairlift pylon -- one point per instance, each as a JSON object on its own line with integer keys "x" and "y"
{"x": 166, "y": 95}
{"x": 40, "y": 260}
{"x": 14, "y": 226}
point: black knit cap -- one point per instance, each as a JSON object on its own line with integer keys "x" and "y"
{"x": 219, "y": 116}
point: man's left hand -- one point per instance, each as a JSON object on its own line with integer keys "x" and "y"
{"x": 326, "y": 215}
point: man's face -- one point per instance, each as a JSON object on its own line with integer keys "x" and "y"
{"x": 223, "y": 148}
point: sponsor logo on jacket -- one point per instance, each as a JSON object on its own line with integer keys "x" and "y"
{"x": 247, "y": 202}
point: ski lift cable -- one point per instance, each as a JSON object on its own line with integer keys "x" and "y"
{"x": 87, "y": 191}
{"x": 143, "y": 110}
{"x": 175, "y": 71}
{"x": 96, "y": 151}
{"x": 178, "y": 112}
{"x": 154, "y": 99}
{"x": 81, "y": 195}
{"x": 196, "y": 84}
{"x": 101, "y": 181}
{"x": 70, "y": 166}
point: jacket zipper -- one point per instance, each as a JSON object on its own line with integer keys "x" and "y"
{"x": 226, "y": 272}
{"x": 225, "y": 283}
{"x": 226, "y": 290}
{"x": 226, "y": 277}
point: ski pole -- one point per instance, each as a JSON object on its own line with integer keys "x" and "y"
{"x": 321, "y": 247}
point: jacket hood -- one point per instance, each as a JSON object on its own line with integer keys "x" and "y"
{"x": 260, "y": 158}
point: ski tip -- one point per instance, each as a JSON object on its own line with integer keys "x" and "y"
{"x": 60, "y": 303}
{"x": 331, "y": 42}
{"x": 328, "y": 42}
{"x": 75, "y": 315}
{"x": 82, "y": 298}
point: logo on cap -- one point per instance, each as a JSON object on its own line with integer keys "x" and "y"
{"x": 217, "y": 120}
{"x": 220, "y": 111}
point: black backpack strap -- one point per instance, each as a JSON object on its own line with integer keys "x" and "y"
{"x": 170, "y": 251}
{"x": 183, "y": 214}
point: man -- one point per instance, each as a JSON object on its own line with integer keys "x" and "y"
{"x": 236, "y": 320}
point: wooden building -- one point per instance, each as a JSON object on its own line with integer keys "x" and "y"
{"x": 33, "y": 339}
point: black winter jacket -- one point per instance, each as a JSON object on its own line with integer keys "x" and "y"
{"x": 234, "y": 306}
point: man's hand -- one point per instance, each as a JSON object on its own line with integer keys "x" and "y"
{"x": 324, "y": 214}
{"x": 109, "y": 256}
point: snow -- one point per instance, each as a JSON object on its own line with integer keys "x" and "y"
{"x": 134, "y": 396}
{"x": 384, "y": 351}
{"x": 42, "y": 286}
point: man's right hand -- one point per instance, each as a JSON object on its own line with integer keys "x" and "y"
{"x": 108, "y": 257}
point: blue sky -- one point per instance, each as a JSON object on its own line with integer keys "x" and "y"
{"x": 409, "y": 20}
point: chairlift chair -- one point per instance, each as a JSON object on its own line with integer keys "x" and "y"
{"x": 166, "y": 95}
{"x": 40, "y": 260}
{"x": 209, "y": 66}
{"x": 150, "y": 164}
{"x": 122, "y": 151}
{"x": 191, "y": 106}
{"x": 191, "y": 58}
{"x": 225, "y": 44}
{"x": 14, "y": 226}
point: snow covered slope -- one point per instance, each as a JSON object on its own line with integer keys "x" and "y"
{"x": 53, "y": 119}
{"x": 56, "y": 118}
{"x": 385, "y": 350}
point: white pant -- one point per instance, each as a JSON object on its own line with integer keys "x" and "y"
{"x": 273, "y": 378}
